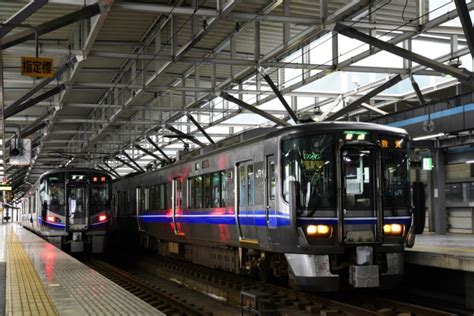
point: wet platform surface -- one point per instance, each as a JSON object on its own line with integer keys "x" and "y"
{"x": 450, "y": 251}
{"x": 43, "y": 280}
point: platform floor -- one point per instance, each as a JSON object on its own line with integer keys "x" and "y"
{"x": 450, "y": 251}
{"x": 43, "y": 280}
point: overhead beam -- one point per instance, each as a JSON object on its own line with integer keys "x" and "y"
{"x": 184, "y": 135}
{"x": 253, "y": 109}
{"x": 148, "y": 138}
{"x": 12, "y": 110}
{"x": 357, "y": 103}
{"x": 466, "y": 23}
{"x": 462, "y": 75}
{"x": 146, "y": 151}
{"x": 21, "y": 16}
{"x": 199, "y": 127}
{"x": 106, "y": 170}
{"x": 110, "y": 168}
{"x": 279, "y": 95}
{"x": 133, "y": 161}
{"x": 35, "y": 126}
{"x": 44, "y": 28}
{"x": 127, "y": 164}
{"x": 212, "y": 13}
{"x": 416, "y": 87}
{"x": 373, "y": 109}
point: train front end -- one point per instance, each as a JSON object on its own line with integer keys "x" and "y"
{"x": 349, "y": 199}
{"x": 75, "y": 209}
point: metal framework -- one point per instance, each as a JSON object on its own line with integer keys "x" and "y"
{"x": 208, "y": 70}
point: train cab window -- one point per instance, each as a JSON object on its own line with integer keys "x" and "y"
{"x": 395, "y": 170}
{"x": 216, "y": 189}
{"x": 223, "y": 188}
{"x": 251, "y": 184}
{"x": 52, "y": 193}
{"x": 207, "y": 191}
{"x": 309, "y": 160}
{"x": 100, "y": 195}
{"x": 358, "y": 166}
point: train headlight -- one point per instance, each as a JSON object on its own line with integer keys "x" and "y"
{"x": 318, "y": 230}
{"x": 53, "y": 219}
{"x": 393, "y": 229}
{"x": 101, "y": 218}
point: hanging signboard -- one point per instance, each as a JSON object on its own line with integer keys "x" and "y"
{"x": 37, "y": 67}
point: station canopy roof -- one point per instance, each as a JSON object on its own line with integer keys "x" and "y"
{"x": 136, "y": 82}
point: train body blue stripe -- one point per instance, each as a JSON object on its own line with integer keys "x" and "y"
{"x": 53, "y": 225}
{"x": 258, "y": 218}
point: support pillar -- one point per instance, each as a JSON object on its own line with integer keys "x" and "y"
{"x": 439, "y": 195}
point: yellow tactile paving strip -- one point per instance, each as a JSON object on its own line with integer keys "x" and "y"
{"x": 26, "y": 294}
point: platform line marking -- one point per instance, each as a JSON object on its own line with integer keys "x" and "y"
{"x": 26, "y": 294}
{"x": 414, "y": 249}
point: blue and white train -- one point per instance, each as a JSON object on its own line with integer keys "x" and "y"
{"x": 327, "y": 204}
{"x": 71, "y": 208}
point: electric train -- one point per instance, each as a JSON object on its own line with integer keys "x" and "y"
{"x": 328, "y": 205}
{"x": 71, "y": 208}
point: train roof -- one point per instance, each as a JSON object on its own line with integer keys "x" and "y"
{"x": 331, "y": 126}
{"x": 73, "y": 170}
{"x": 269, "y": 132}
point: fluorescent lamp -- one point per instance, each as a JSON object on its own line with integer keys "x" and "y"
{"x": 428, "y": 136}
{"x": 470, "y": 161}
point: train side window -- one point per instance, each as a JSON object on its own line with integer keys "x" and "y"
{"x": 223, "y": 188}
{"x": 152, "y": 198}
{"x": 138, "y": 199}
{"x": 243, "y": 186}
{"x": 271, "y": 180}
{"x": 207, "y": 191}
{"x": 147, "y": 199}
{"x": 191, "y": 193}
{"x": 162, "y": 189}
{"x": 216, "y": 189}
{"x": 250, "y": 178}
{"x": 198, "y": 192}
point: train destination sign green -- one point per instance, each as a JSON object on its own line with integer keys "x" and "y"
{"x": 312, "y": 156}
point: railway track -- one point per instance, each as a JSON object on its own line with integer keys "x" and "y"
{"x": 277, "y": 299}
{"x": 150, "y": 293}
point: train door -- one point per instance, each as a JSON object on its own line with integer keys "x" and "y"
{"x": 244, "y": 204}
{"x": 177, "y": 203}
{"x": 77, "y": 206}
{"x": 271, "y": 213}
{"x": 361, "y": 202}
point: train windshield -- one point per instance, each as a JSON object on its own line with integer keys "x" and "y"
{"x": 52, "y": 193}
{"x": 395, "y": 168}
{"x": 358, "y": 176}
{"x": 100, "y": 194}
{"x": 309, "y": 160}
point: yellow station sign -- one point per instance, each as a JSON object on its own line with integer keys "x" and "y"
{"x": 37, "y": 67}
{"x": 5, "y": 187}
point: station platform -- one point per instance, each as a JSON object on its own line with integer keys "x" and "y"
{"x": 37, "y": 278}
{"x": 450, "y": 251}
